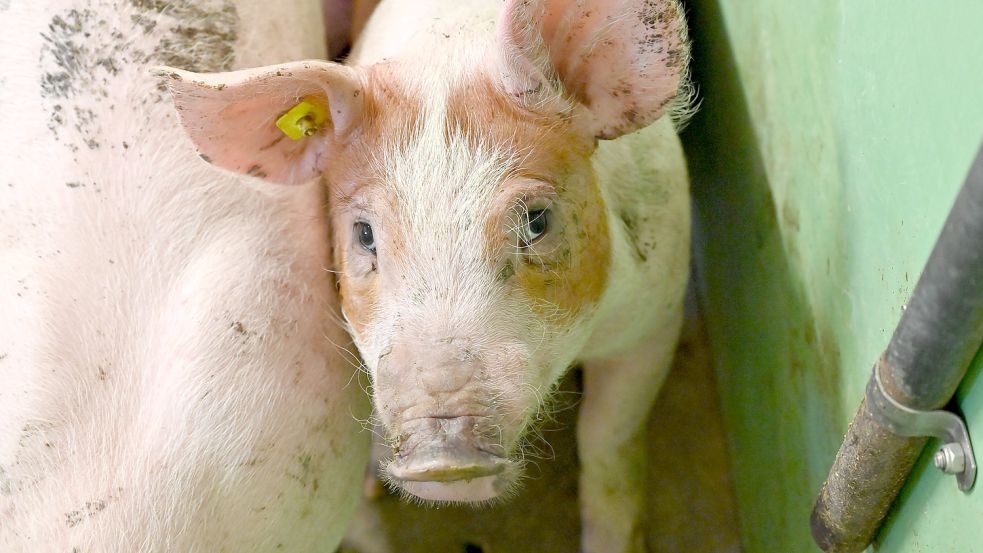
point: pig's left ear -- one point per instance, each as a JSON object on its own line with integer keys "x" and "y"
{"x": 275, "y": 122}
{"x": 622, "y": 60}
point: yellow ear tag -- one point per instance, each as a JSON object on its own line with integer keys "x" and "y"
{"x": 304, "y": 119}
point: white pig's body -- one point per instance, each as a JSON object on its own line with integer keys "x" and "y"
{"x": 168, "y": 380}
{"x": 496, "y": 218}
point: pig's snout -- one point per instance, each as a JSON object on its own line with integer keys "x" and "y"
{"x": 443, "y": 459}
{"x": 437, "y": 369}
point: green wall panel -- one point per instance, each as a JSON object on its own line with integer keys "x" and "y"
{"x": 831, "y": 142}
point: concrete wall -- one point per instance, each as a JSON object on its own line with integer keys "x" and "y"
{"x": 831, "y": 143}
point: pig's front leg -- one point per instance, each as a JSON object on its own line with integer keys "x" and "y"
{"x": 618, "y": 394}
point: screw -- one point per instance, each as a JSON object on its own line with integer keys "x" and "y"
{"x": 307, "y": 125}
{"x": 950, "y": 459}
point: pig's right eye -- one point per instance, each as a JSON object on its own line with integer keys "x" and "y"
{"x": 534, "y": 225}
{"x": 363, "y": 233}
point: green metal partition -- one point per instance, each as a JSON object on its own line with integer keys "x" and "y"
{"x": 831, "y": 142}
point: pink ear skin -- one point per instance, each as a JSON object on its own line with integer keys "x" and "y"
{"x": 622, "y": 60}
{"x": 231, "y": 117}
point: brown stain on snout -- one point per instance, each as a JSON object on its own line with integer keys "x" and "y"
{"x": 572, "y": 275}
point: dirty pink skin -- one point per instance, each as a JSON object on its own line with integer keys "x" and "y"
{"x": 170, "y": 379}
{"x": 452, "y": 128}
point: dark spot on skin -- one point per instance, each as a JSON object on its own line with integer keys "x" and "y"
{"x": 676, "y": 57}
{"x": 6, "y": 484}
{"x": 238, "y": 327}
{"x": 305, "y": 465}
{"x": 631, "y": 228}
{"x": 273, "y": 143}
{"x": 84, "y": 120}
{"x": 205, "y": 158}
{"x": 252, "y": 463}
{"x": 62, "y": 47}
{"x": 81, "y": 57}
{"x": 91, "y": 508}
{"x": 650, "y": 20}
{"x": 385, "y": 353}
{"x": 55, "y": 120}
{"x": 144, "y": 22}
{"x": 29, "y": 431}
{"x": 108, "y": 64}
{"x": 74, "y": 184}
{"x": 199, "y": 36}
{"x": 125, "y": 145}
{"x": 507, "y": 272}
{"x": 254, "y": 170}
{"x": 309, "y": 466}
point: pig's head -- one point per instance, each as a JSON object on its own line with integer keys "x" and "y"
{"x": 470, "y": 234}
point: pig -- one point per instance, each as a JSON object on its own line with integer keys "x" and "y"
{"x": 508, "y": 197}
{"x": 173, "y": 372}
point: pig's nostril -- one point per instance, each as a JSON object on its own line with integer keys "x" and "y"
{"x": 472, "y": 548}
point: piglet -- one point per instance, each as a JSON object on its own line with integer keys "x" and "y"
{"x": 495, "y": 219}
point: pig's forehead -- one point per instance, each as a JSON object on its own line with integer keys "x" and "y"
{"x": 423, "y": 117}
{"x": 444, "y": 182}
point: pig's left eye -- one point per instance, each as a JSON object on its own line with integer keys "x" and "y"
{"x": 363, "y": 233}
{"x": 535, "y": 223}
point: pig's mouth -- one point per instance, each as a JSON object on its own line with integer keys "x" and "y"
{"x": 473, "y": 479}
{"x": 448, "y": 462}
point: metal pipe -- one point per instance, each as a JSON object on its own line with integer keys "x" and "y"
{"x": 939, "y": 332}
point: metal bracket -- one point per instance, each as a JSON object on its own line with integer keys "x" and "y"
{"x": 956, "y": 454}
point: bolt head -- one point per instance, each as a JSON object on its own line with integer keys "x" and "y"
{"x": 950, "y": 459}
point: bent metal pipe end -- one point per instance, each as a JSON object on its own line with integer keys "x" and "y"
{"x": 881, "y": 446}
{"x": 926, "y": 359}
{"x": 868, "y": 472}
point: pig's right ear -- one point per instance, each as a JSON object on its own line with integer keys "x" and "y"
{"x": 275, "y": 122}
